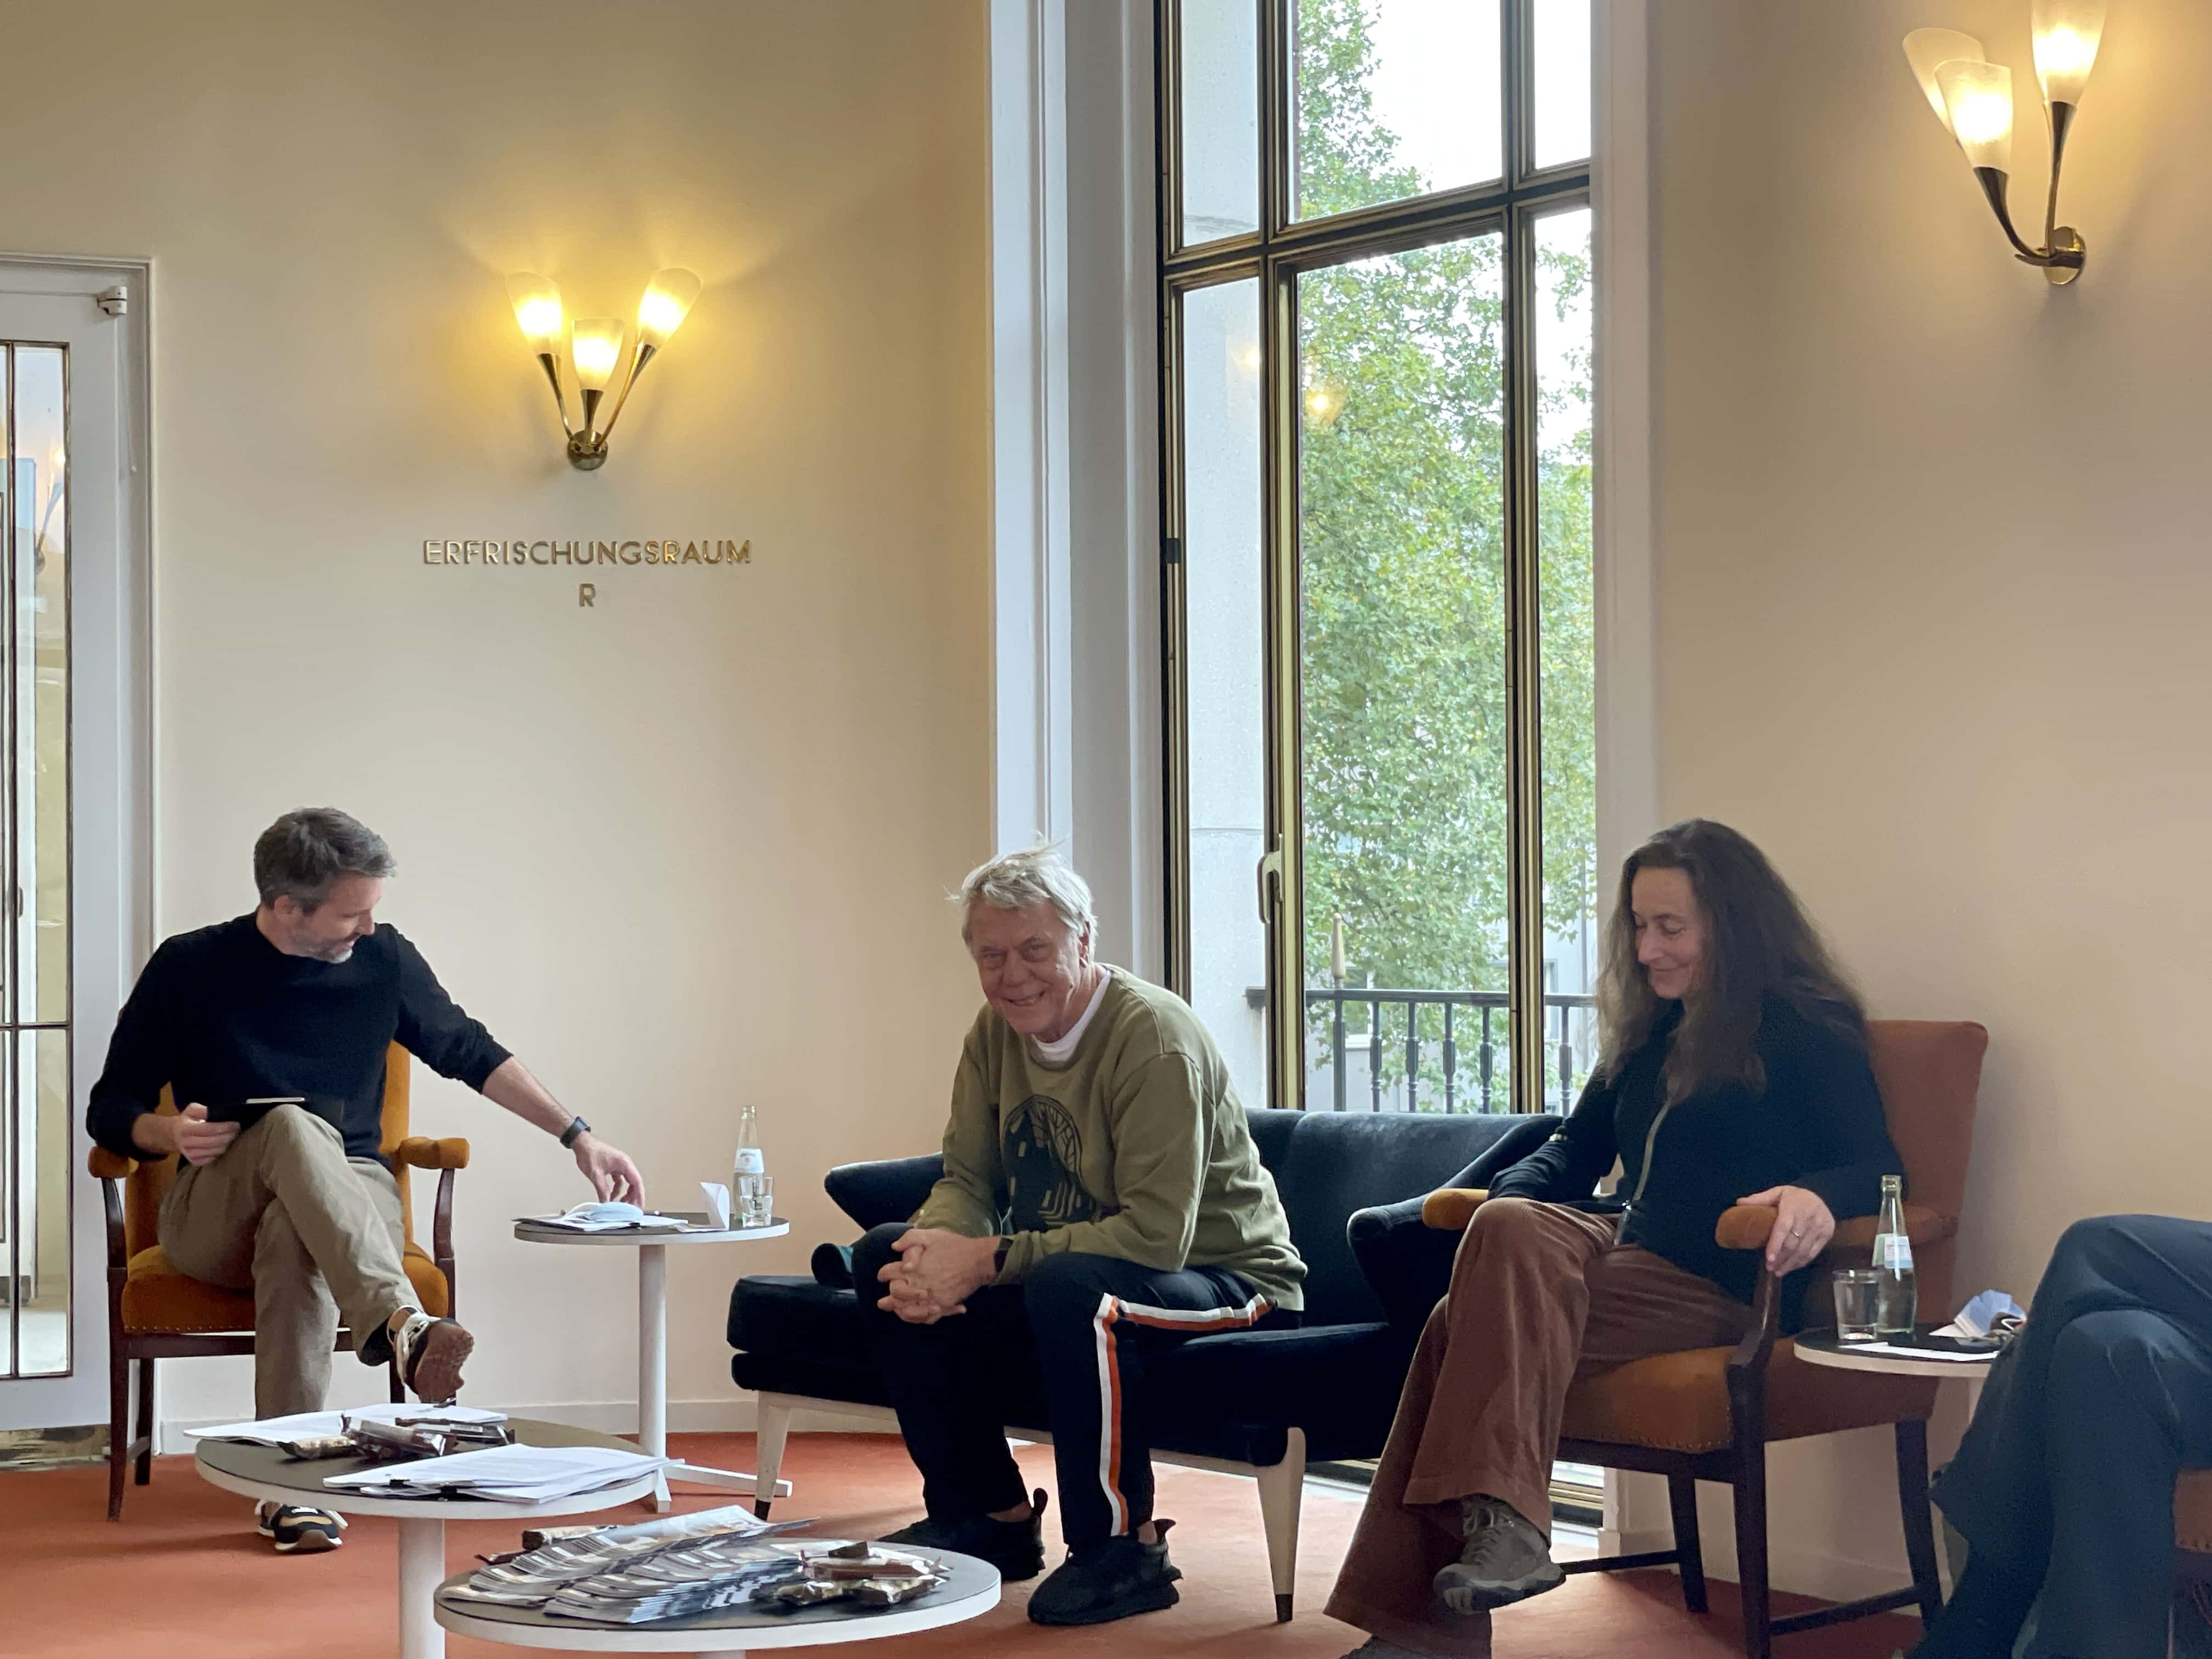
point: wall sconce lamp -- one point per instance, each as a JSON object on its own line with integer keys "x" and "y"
{"x": 595, "y": 348}
{"x": 1973, "y": 98}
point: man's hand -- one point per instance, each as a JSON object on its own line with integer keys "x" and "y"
{"x": 608, "y": 1170}
{"x": 1801, "y": 1228}
{"x": 936, "y": 1273}
{"x": 188, "y": 1134}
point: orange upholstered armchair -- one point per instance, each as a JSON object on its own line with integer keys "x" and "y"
{"x": 154, "y": 1312}
{"x": 1709, "y": 1414}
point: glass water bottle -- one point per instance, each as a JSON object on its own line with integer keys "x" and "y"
{"x": 1896, "y": 1300}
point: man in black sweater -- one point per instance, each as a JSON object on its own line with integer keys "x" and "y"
{"x": 270, "y": 1030}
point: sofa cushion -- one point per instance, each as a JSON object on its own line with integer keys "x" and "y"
{"x": 1406, "y": 1262}
{"x": 1328, "y": 1165}
{"x": 892, "y": 1189}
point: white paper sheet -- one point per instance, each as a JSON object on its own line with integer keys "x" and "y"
{"x": 515, "y": 1474}
{"x": 301, "y": 1425}
{"x": 1891, "y": 1349}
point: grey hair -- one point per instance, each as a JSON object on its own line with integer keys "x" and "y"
{"x": 305, "y": 854}
{"x": 1036, "y": 875}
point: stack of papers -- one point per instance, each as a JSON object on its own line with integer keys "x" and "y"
{"x": 533, "y": 1578}
{"x": 607, "y": 1218}
{"x": 507, "y": 1474}
{"x": 307, "y": 1425}
{"x": 678, "y": 1581}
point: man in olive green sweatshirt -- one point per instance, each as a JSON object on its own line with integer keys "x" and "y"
{"x": 1102, "y": 1198}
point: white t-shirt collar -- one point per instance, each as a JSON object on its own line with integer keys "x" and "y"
{"x": 1059, "y": 1052}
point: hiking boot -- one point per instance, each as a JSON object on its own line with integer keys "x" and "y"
{"x": 297, "y": 1530}
{"x": 431, "y": 1353}
{"x": 1016, "y": 1548}
{"x": 1106, "y": 1581}
{"x": 1504, "y": 1560}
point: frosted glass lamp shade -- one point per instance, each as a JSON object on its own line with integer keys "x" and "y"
{"x": 2067, "y": 33}
{"x": 1927, "y": 50}
{"x": 668, "y": 299}
{"x": 1979, "y": 97}
{"x": 536, "y": 305}
{"x": 595, "y": 343}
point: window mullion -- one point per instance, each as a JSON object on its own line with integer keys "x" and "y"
{"x": 1523, "y": 674}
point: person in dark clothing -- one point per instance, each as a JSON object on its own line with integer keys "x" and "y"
{"x": 1734, "y": 1070}
{"x": 270, "y": 1032}
{"x": 2063, "y": 1485}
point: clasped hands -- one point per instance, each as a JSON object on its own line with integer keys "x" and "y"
{"x": 936, "y": 1273}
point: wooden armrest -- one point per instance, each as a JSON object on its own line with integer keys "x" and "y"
{"x": 421, "y": 1153}
{"x": 1745, "y": 1227}
{"x": 1450, "y": 1209}
{"x": 109, "y": 1166}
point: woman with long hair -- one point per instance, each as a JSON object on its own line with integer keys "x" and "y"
{"x": 1733, "y": 1070}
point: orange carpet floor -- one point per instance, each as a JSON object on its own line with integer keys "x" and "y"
{"x": 183, "y": 1576}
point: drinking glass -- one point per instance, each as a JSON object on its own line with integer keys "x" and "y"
{"x": 1855, "y": 1289}
{"x": 756, "y": 1200}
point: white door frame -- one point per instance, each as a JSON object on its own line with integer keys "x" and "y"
{"x": 111, "y": 776}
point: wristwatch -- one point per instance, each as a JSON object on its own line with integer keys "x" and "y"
{"x": 576, "y": 1127}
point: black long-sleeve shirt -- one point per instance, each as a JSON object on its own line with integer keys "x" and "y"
{"x": 1817, "y": 1124}
{"x": 224, "y": 1017}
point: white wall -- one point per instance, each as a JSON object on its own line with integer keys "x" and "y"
{"x": 687, "y": 847}
{"x": 1932, "y": 591}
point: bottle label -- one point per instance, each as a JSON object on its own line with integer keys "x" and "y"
{"x": 750, "y": 1162}
{"x": 1893, "y": 1252}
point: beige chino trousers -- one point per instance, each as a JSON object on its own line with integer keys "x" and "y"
{"x": 1540, "y": 1296}
{"x": 316, "y": 1235}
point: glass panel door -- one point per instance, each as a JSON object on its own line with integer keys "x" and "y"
{"x": 1402, "y": 659}
{"x": 1225, "y": 673}
{"x": 34, "y": 953}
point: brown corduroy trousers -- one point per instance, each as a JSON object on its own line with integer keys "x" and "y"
{"x": 1540, "y": 1295}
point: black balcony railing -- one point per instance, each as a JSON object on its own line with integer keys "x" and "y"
{"x": 1474, "y": 1019}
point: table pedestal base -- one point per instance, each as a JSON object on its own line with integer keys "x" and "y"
{"x": 421, "y": 1570}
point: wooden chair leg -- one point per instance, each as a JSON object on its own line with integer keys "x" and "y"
{"x": 1682, "y": 1495}
{"x": 118, "y": 1423}
{"x": 144, "y": 1433}
{"x": 1919, "y": 1523}
{"x": 1750, "y": 1553}
{"x": 399, "y": 1389}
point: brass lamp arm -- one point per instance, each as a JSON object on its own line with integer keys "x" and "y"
{"x": 552, "y": 368}
{"x": 2061, "y": 261}
{"x": 637, "y": 362}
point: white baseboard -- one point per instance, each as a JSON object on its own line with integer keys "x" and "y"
{"x": 607, "y": 1417}
{"x": 1797, "y": 1572}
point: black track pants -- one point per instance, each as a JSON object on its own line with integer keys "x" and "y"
{"x": 1084, "y": 1327}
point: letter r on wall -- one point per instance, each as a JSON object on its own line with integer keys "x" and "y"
{"x": 586, "y": 592}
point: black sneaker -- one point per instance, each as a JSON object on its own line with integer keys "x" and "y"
{"x": 1106, "y": 1581}
{"x": 1016, "y": 1548}
{"x": 297, "y": 1530}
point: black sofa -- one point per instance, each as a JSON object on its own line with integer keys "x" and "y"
{"x": 1262, "y": 1403}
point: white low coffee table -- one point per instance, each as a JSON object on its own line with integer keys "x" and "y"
{"x": 652, "y": 1249}
{"x": 733, "y": 1632}
{"x": 273, "y": 1477}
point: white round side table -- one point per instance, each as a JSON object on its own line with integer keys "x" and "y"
{"x": 272, "y": 1476}
{"x": 733, "y": 1632}
{"x": 652, "y": 1247}
{"x": 1825, "y": 1348}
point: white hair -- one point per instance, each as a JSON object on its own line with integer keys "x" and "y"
{"x": 1036, "y": 875}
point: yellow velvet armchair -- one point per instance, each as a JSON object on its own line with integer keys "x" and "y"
{"x": 154, "y": 1312}
{"x": 1709, "y": 1413}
